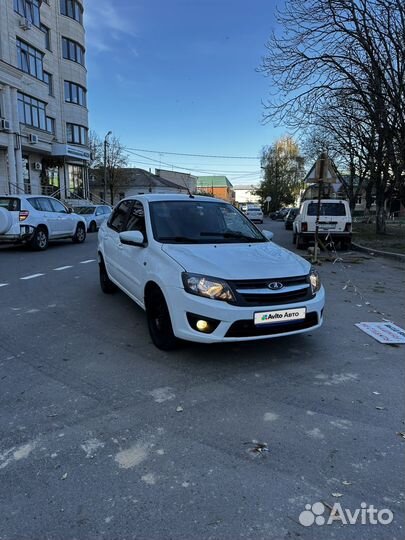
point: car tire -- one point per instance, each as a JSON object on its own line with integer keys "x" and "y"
{"x": 80, "y": 234}
{"x": 93, "y": 227}
{"x": 40, "y": 240}
{"x": 294, "y": 239}
{"x": 159, "y": 322}
{"x": 300, "y": 243}
{"x": 107, "y": 286}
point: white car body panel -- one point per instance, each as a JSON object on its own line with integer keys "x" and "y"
{"x": 131, "y": 268}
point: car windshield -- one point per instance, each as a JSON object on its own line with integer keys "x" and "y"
{"x": 254, "y": 208}
{"x": 85, "y": 210}
{"x": 200, "y": 222}
{"x": 327, "y": 209}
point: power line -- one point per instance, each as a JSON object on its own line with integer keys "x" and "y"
{"x": 157, "y": 161}
{"x": 190, "y": 155}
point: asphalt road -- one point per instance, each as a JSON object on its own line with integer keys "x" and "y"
{"x": 103, "y": 436}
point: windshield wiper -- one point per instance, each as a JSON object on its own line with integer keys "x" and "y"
{"x": 236, "y": 235}
{"x": 179, "y": 239}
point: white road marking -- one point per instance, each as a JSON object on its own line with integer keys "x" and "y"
{"x": 62, "y": 268}
{"x": 3, "y": 285}
{"x": 89, "y": 261}
{"x": 31, "y": 277}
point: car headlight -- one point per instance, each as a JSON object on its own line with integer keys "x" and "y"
{"x": 315, "y": 281}
{"x": 209, "y": 287}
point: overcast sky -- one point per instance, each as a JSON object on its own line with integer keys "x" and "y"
{"x": 180, "y": 76}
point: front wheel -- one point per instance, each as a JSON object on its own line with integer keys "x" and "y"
{"x": 80, "y": 234}
{"x": 107, "y": 286}
{"x": 159, "y": 322}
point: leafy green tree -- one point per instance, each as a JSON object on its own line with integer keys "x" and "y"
{"x": 283, "y": 168}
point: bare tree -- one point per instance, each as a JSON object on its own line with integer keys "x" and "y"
{"x": 349, "y": 55}
{"x": 117, "y": 159}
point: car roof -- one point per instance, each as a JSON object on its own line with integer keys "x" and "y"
{"x": 153, "y": 197}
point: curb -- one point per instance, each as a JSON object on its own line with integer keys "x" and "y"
{"x": 378, "y": 253}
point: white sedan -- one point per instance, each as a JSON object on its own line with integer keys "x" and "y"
{"x": 203, "y": 272}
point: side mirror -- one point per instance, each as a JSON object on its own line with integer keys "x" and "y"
{"x": 70, "y": 210}
{"x": 132, "y": 238}
{"x": 268, "y": 234}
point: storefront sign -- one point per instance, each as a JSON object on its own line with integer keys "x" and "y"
{"x": 67, "y": 150}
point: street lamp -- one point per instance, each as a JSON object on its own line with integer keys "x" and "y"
{"x": 105, "y": 164}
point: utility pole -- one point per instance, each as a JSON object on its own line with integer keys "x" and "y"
{"x": 105, "y": 164}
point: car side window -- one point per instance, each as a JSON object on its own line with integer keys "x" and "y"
{"x": 120, "y": 215}
{"x": 44, "y": 205}
{"x": 136, "y": 221}
{"x": 107, "y": 210}
{"x": 57, "y": 206}
{"x": 34, "y": 203}
{"x": 99, "y": 211}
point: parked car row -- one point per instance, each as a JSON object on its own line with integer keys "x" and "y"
{"x": 36, "y": 220}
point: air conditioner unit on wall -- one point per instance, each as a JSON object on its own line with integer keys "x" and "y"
{"x": 25, "y": 23}
{"x": 4, "y": 125}
{"x": 37, "y": 166}
{"x": 33, "y": 139}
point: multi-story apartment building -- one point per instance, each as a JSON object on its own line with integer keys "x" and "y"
{"x": 43, "y": 98}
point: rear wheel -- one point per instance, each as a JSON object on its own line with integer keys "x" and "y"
{"x": 300, "y": 242}
{"x": 80, "y": 234}
{"x": 107, "y": 286}
{"x": 40, "y": 241}
{"x": 159, "y": 322}
{"x": 93, "y": 227}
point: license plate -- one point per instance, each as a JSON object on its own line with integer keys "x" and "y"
{"x": 326, "y": 226}
{"x": 280, "y": 316}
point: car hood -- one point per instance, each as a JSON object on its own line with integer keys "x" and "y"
{"x": 238, "y": 261}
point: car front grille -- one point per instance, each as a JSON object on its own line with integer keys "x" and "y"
{"x": 247, "y": 328}
{"x": 258, "y": 293}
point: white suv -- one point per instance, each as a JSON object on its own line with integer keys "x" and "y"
{"x": 335, "y": 221}
{"x": 36, "y": 219}
{"x": 203, "y": 272}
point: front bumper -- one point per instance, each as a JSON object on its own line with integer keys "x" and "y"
{"x": 236, "y": 322}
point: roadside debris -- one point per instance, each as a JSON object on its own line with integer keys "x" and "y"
{"x": 387, "y": 333}
{"x": 346, "y": 483}
{"x": 179, "y": 409}
{"x": 64, "y": 476}
{"x": 337, "y": 495}
{"x": 401, "y": 434}
{"x": 380, "y": 408}
{"x": 258, "y": 448}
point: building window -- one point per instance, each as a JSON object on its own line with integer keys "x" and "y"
{"x": 29, "y": 9}
{"x": 72, "y": 51}
{"x": 50, "y": 125}
{"x": 32, "y": 112}
{"x": 76, "y": 134}
{"x": 72, "y": 9}
{"x": 30, "y": 60}
{"x": 76, "y": 181}
{"x": 47, "y": 35}
{"x": 74, "y": 93}
{"x": 48, "y": 80}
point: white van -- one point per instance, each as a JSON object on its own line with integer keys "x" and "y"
{"x": 335, "y": 221}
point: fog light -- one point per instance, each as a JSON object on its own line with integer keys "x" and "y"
{"x": 202, "y": 326}
{"x": 205, "y": 326}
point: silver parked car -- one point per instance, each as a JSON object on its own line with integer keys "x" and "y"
{"x": 94, "y": 215}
